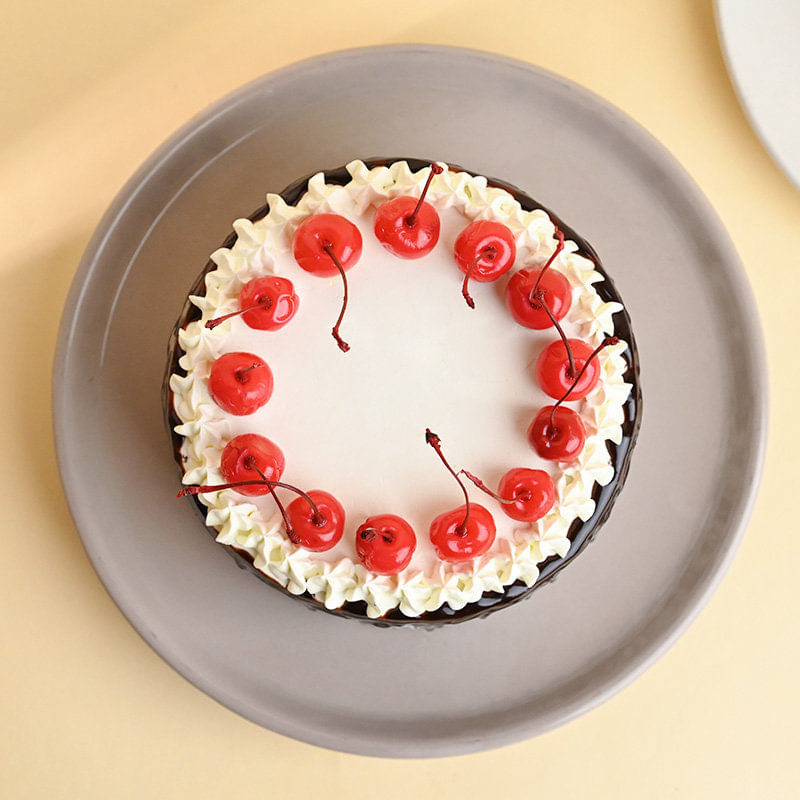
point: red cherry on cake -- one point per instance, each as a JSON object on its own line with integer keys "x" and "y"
{"x": 530, "y": 290}
{"x": 322, "y": 240}
{"x": 531, "y": 490}
{"x": 557, "y": 433}
{"x": 385, "y": 544}
{"x": 484, "y": 250}
{"x": 464, "y": 532}
{"x": 316, "y": 527}
{"x": 270, "y": 302}
{"x": 567, "y": 367}
{"x": 250, "y": 457}
{"x": 525, "y": 494}
{"x": 556, "y": 375}
{"x": 408, "y": 227}
{"x": 327, "y": 245}
{"x": 240, "y": 383}
{"x": 526, "y": 309}
{"x": 315, "y": 521}
{"x": 266, "y": 304}
{"x": 454, "y": 541}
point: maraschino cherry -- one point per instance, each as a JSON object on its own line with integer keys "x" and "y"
{"x": 556, "y": 374}
{"x": 559, "y": 363}
{"x": 385, "y": 544}
{"x": 557, "y": 433}
{"x": 314, "y": 521}
{"x": 522, "y": 290}
{"x": 240, "y": 383}
{"x": 266, "y": 304}
{"x": 317, "y": 520}
{"x": 484, "y": 250}
{"x": 408, "y": 227}
{"x": 525, "y": 494}
{"x": 464, "y": 532}
{"x": 327, "y": 245}
{"x": 249, "y": 458}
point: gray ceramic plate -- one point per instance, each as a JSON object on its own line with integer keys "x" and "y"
{"x": 406, "y": 692}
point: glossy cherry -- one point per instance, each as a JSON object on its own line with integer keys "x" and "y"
{"x": 250, "y": 457}
{"x": 531, "y": 490}
{"x": 530, "y": 289}
{"x": 272, "y": 301}
{"x": 315, "y": 521}
{"x": 484, "y": 251}
{"x": 451, "y": 544}
{"x": 240, "y": 383}
{"x": 526, "y": 309}
{"x": 557, "y": 433}
{"x": 525, "y": 494}
{"x": 316, "y": 527}
{"x": 464, "y": 532}
{"x": 266, "y": 304}
{"x": 385, "y": 544}
{"x": 555, "y": 375}
{"x": 327, "y": 245}
{"x": 409, "y": 227}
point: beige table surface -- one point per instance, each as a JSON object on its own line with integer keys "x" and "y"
{"x": 87, "y": 710}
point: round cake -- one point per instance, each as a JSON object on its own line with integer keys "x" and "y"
{"x": 403, "y": 392}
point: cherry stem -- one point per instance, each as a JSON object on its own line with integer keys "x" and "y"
{"x": 607, "y": 342}
{"x": 244, "y": 371}
{"x": 489, "y": 251}
{"x": 559, "y": 247}
{"x": 265, "y": 302}
{"x": 540, "y": 298}
{"x": 250, "y": 463}
{"x": 436, "y": 443}
{"x": 318, "y": 519}
{"x": 343, "y": 346}
{"x": 524, "y": 495}
{"x": 411, "y": 219}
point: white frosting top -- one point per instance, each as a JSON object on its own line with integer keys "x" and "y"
{"x": 353, "y": 423}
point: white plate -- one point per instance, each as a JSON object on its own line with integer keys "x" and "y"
{"x": 342, "y": 683}
{"x": 761, "y": 42}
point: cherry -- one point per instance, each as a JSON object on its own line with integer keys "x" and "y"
{"x": 554, "y": 433}
{"x": 317, "y": 520}
{"x": 484, "y": 250}
{"x": 450, "y": 545}
{"x": 529, "y": 313}
{"x": 555, "y": 375}
{"x": 271, "y": 301}
{"x": 407, "y": 227}
{"x": 532, "y": 491}
{"x": 385, "y": 544}
{"x": 324, "y": 245}
{"x": 526, "y": 307}
{"x": 250, "y": 457}
{"x": 240, "y": 383}
{"x": 557, "y": 433}
{"x": 266, "y": 304}
{"x": 526, "y": 494}
{"x": 525, "y": 285}
{"x": 464, "y": 532}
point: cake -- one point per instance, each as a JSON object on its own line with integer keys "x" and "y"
{"x": 456, "y": 441}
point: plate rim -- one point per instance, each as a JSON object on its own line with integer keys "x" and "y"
{"x": 656, "y": 642}
{"x": 722, "y": 23}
